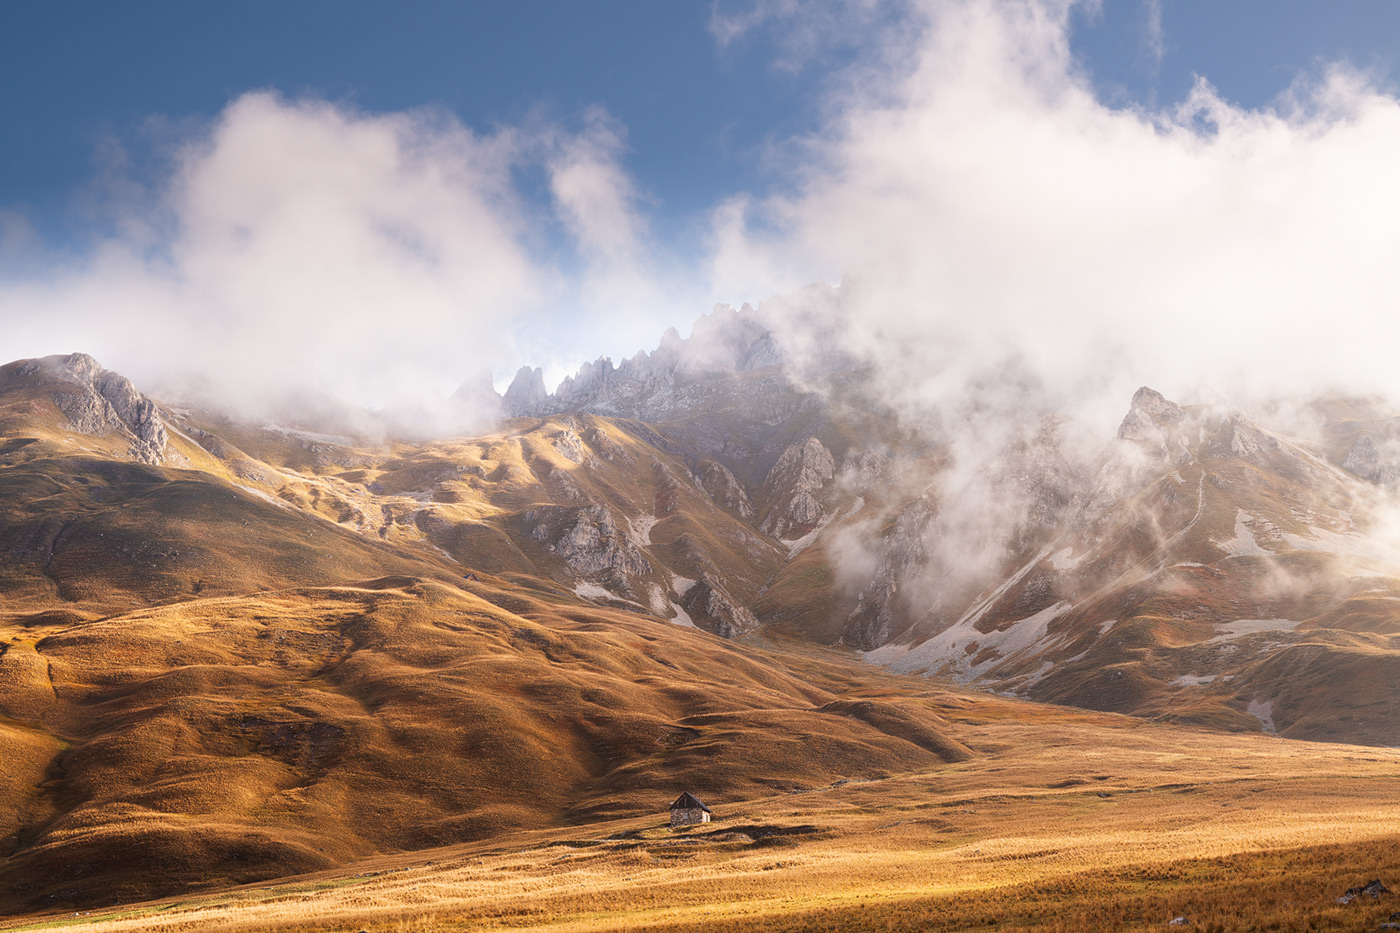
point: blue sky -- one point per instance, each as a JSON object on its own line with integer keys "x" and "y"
{"x": 699, "y": 118}
{"x": 673, "y": 116}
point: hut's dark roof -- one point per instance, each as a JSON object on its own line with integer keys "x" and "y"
{"x": 689, "y": 801}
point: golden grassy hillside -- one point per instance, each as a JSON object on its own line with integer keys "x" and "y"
{"x": 103, "y": 534}
{"x": 229, "y": 739}
{"x": 1059, "y": 820}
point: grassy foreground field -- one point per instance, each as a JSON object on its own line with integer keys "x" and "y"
{"x": 1063, "y": 821}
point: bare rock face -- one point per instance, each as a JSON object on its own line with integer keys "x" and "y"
{"x": 711, "y": 607}
{"x": 589, "y": 541}
{"x": 680, "y": 376}
{"x": 791, "y": 489}
{"x": 1244, "y": 440}
{"x": 727, "y": 492}
{"x": 102, "y": 402}
{"x": 1368, "y": 461}
{"x": 569, "y": 445}
{"x": 1154, "y": 422}
{"x": 1036, "y": 474}
{"x": 1364, "y": 459}
{"x": 864, "y": 471}
{"x": 902, "y": 554}
{"x": 526, "y": 393}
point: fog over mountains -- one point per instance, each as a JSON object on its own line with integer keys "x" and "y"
{"x": 1232, "y": 565}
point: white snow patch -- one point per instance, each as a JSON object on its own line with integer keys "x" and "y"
{"x": 1106, "y": 625}
{"x": 593, "y": 591}
{"x": 682, "y": 617}
{"x": 275, "y": 500}
{"x": 657, "y": 597}
{"x": 1250, "y": 626}
{"x": 339, "y": 440}
{"x": 947, "y": 651}
{"x": 440, "y": 550}
{"x": 1191, "y": 680}
{"x": 1185, "y": 564}
{"x": 639, "y": 529}
{"x": 1263, "y": 710}
{"x": 1353, "y": 545}
{"x": 980, "y": 609}
{"x": 681, "y": 585}
{"x": 1243, "y": 543}
{"x": 1064, "y": 559}
{"x": 1039, "y": 675}
{"x": 796, "y": 546}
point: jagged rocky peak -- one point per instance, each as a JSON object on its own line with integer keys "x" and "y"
{"x": 902, "y": 555}
{"x": 102, "y": 402}
{"x": 864, "y": 471}
{"x": 723, "y": 342}
{"x": 478, "y": 393}
{"x": 1148, "y": 414}
{"x": 1155, "y": 422}
{"x": 526, "y": 392}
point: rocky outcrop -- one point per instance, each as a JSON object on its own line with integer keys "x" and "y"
{"x": 1372, "y": 889}
{"x": 1043, "y": 485}
{"x": 711, "y": 607}
{"x": 588, "y": 540}
{"x": 1367, "y": 461}
{"x": 902, "y": 554}
{"x": 865, "y": 471}
{"x": 1154, "y": 422}
{"x": 569, "y": 445}
{"x": 476, "y": 402}
{"x": 726, "y": 491}
{"x": 100, "y": 402}
{"x": 792, "y": 487}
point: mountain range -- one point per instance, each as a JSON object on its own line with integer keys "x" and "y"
{"x": 255, "y": 646}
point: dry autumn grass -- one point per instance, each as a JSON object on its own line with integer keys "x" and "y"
{"x": 194, "y": 703}
{"x": 1060, "y": 821}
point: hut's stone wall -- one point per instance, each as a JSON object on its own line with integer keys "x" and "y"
{"x": 688, "y": 817}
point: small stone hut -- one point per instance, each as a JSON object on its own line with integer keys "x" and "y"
{"x": 687, "y": 810}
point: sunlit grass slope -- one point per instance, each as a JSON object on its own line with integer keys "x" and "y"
{"x": 1059, "y": 820}
{"x": 229, "y": 739}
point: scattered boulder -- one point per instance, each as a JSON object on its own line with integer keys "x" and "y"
{"x": 1372, "y": 889}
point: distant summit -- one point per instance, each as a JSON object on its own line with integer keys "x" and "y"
{"x": 656, "y": 384}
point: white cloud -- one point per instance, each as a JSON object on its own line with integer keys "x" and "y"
{"x": 301, "y": 244}
{"x": 984, "y": 204}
